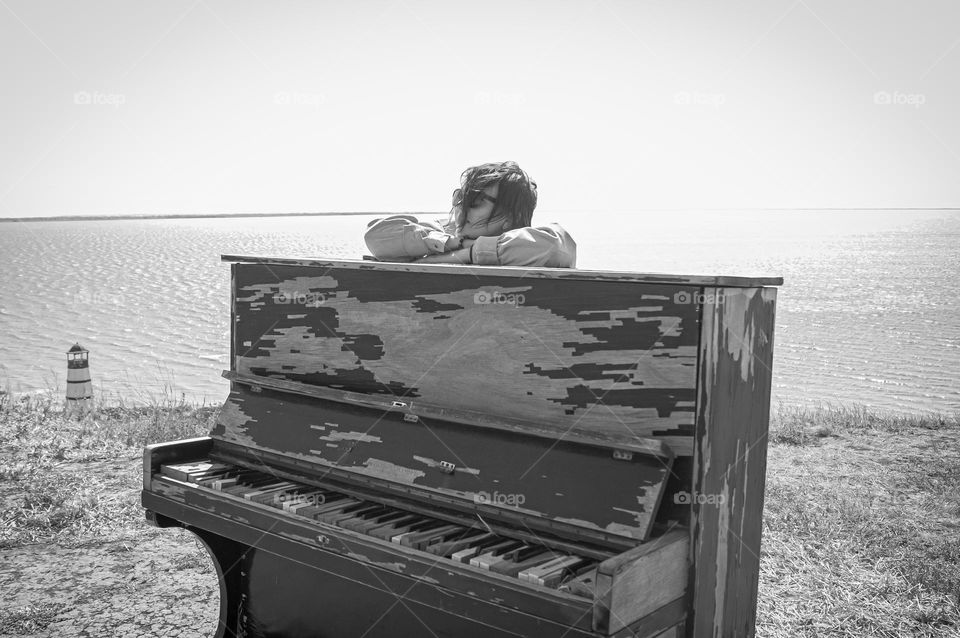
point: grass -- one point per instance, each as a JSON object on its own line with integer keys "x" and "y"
{"x": 63, "y": 478}
{"x": 861, "y": 524}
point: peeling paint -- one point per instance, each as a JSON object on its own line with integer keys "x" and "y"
{"x": 350, "y": 436}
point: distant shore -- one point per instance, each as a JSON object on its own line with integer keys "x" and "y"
{"x": 83, "y": 218}
{"x": 87, "y": 218}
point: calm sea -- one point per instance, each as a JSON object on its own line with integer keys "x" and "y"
{"x": 869, "y": 312}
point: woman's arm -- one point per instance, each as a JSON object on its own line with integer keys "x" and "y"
{"x": 459, "y": 256}
{"x": 548, "y": 245}
{"x": 405, "y": 237}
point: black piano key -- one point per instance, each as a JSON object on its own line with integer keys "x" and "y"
{"x": 208, "y": 479}
{"x": 416, "y": 540}
{"x": 363, "y": 515}
{"x": 514, "y": 555}
{"x": 583, "y": 583}
{"x": 351, "y": 511}
{"x": 457, "y": 542}
{"x": 337, "y": 506}
{"x": 513, "y": 568}
{"x": 556, "y": 577}
{"x": 364, "y": 526}
{"x": 534, "y": 573}
{"x": 465, "y": 554}
{"x": 388, "y": 531}
{"x": 490, "y": 554}
{"x": 249, "y": 484}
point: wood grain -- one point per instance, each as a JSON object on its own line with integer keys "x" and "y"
{"x": 633, "y": 584}
{"x": 730, "y": 455}
{"x": 593, "y": 356}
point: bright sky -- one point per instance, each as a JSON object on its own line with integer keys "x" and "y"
{"x": 220, "y": 106}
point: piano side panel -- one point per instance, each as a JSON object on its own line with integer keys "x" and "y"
{"x": 601, "y": 356}
{"x": 543, "y": 480}
{"x": 730, "y": 460}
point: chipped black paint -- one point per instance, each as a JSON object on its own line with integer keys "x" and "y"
{"x": 572, "y": 345}
{"x": 548, "y": 476}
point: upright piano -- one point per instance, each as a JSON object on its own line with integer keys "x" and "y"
{"x": 450, "y": 451}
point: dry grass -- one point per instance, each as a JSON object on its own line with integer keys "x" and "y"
{"x": 65, "y": 478}
{"x": 861, "y": 526}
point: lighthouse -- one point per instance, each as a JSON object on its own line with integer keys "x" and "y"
{"x": 79, "y": 386}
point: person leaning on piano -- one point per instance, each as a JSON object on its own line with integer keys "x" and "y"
{"x": 489, "y": 225}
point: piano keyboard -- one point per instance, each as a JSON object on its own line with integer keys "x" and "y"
{"x": 479, "y": 548}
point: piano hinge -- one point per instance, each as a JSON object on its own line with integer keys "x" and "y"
{"x": 623, "y": 455}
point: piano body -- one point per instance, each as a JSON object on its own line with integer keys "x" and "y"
{"x": 433, "y": 450}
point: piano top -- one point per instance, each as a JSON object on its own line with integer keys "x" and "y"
{"x": 512, "y": 271}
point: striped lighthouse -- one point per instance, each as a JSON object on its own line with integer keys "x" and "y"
{"x": 79, "y": 386}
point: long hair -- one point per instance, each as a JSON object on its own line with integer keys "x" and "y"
{"x": 516, "y": 197}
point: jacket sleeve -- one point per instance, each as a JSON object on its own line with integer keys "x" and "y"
{"x": 404, "y": 237}
{"x": 550, "y": 246}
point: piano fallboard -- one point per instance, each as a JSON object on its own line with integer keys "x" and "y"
{"x": 604, "y": 492}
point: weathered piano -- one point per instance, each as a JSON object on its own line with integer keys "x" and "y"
{"x": 433, "y": 450}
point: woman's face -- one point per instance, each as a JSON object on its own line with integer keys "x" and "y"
{"x": 477, "y": 218}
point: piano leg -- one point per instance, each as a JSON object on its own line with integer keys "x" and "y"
{"x": 227, "y": 557}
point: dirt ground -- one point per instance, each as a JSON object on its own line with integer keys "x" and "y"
{"x": 157, "y": 583}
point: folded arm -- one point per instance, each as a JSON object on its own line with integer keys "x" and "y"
{"x": 405, "y": 237}
{"x": 549, "y": 246}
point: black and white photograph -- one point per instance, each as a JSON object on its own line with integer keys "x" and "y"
{"x": 406, "y": 318}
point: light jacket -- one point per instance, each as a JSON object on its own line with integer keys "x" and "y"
{"x": 405, "y": 238}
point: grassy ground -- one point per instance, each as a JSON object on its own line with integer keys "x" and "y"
{"x": 861, "y": 525}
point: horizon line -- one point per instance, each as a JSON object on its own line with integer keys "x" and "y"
{"x": 48, "y": 218}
